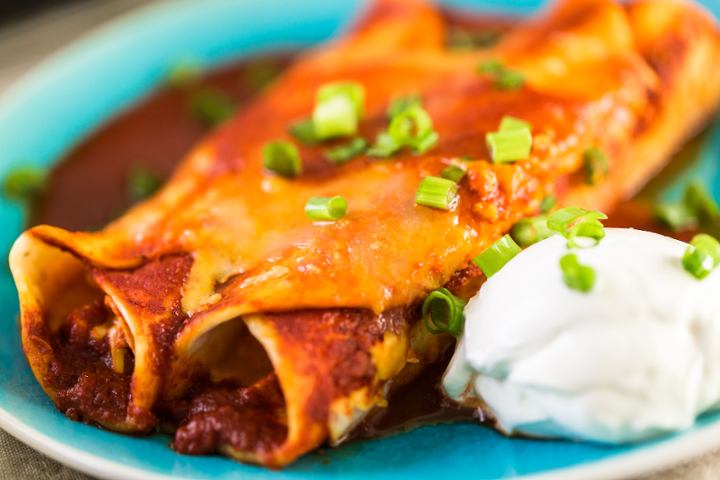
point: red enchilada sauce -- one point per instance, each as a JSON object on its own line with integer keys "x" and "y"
{"x": 90, "y": 187}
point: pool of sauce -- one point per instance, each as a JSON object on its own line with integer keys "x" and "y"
{"x": 89, "y": 188}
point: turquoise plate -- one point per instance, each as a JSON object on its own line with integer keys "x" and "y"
{"x": 67, "y": 96}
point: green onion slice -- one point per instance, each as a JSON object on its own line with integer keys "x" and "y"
{"x": 400, "y": 104}
{"x": 436, "y": 192}
{"x": 497, "y": 255}
{"x": 413, "y": 127}
{"x": 326, "y": 208}
{"x": 676, "y": 215}
{"x": 184, "y": 73}
{"x": 575, "y": 222}
{"x": 142, "y": 183}
{"x": 384, "y": 146}
{"x": 529, "y": 231}
{"x": 282, "y": 158}
{"x": 25, "y": 184}
{"x": 454, "y": 173}
{"x": 461, "y": 39}
{"x": 211, "y": 106}
{"x": 702, "y": 256}
{"x": 443, "y": 313}
{"x": 338, "y": 109}
{"x": 596, "y": 165}
{"x": 508, "y": 124}
{"x": 509, "y": 146}
{"x": 509, "y": 80}
{"x": 547, "y": 203}
{"x": 699, "y": 200}
{"x": 490, "y": 66}
{"x": 577, "y": 277}
{"x": 347, "y": 151}
{"x": 304, "y": 131}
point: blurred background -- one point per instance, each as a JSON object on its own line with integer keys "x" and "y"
{"x": 32, "y": 29}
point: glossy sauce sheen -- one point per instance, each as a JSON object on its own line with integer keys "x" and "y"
{"x": 89, "y": 188}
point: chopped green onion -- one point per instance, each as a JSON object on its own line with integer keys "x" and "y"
{"x": 529, "y": 231}
{"x": 211, "y": 106}
{"x": 508, "y": 124}
{"x": 497, "y": 255}
{"x": 400, "y": 104}
{"x": 454, "y": 173}
{"x": 184, "y": 73}
{"x": 326, "y": 208}
{"x": 445, "y": 311}
{"x": 548, "y": 203}
{"x": 461, "y": 39}
{"x": 699, "y": 200}
{"x": 596, "y": 165}
{"x": 574, "y": 222}
{"x": 675, "y": 215}
{"x": 504, "y": 79}
{"x": 490, "y": 66}
{"x": 509, "y": 146}
{"x": 25, "y": 184}
{"x": 577, "y": 277}
{"x": 384, "y": 146}
{"x": 467, "y": 158}
{"x": 436, "y": 192}
{"x": 347, "y": 151}
{"x": 702, "y": 255}
{"x": 413, "y": 127}
{"x": 258, "y": 74}
{"x": 509, "y": 80}
{"x": 696, "y": 207}
{"x": 282, "y": 158}
{"x": 304, "y": 131}
{"x": 142, "y": 183}
{"x": 338, "y": 109}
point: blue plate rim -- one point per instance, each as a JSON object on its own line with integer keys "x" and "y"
{"x": 637, "y": 462}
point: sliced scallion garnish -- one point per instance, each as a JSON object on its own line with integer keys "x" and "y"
{"x": 400, "y": 104}
{"x": 529, "y": 231}
{"x": 211, "y": 106}
{"x": 304, "y": 131}
{"x": 461, "y": 39}
{"x": 413, "y": 127}
{"x": 326, "y": 208}
{"x": 577, "y": 277}
{"x": 489, "y": 66}
{"x": 338, "y": 109}
{"x": 504, "y": 79}
{"x": 443, "y": 313}
{"x": 547, "y": 203}
{"x": 696, "y": 207}
{"x": 497, "y": 255}
{"x": 509, "y": 146}
{"x": 25, "y": 184}
{"x": 702, "y": 255}
{"x": 575, "y": 222}
{"x": 347, "y": 151}
{"x": 508, "y": 124}
{"x": 454, "y": 173}
{"x": 436, "y": 192}
{"x": 596, "y": 165}
{"x": 509, "y": 80}
{"x": 384, "y": 146}
{"x": 142, "y": 183}
{"x": 698, "y": 200}
{"x": 282, "y": 158}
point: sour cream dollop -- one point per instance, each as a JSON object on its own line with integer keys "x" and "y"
{"x": 637, "y": 356}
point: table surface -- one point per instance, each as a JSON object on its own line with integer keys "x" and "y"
{"x": 22, "y": 45}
